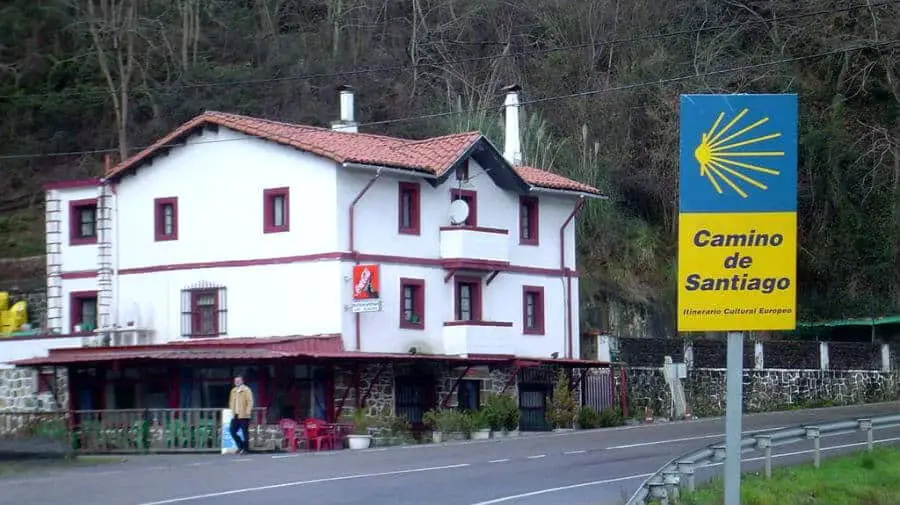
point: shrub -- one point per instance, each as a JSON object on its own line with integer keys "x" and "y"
{"x": 561, "y": 411}
{"x": 502, "y": 412}
{"x": 588, "y": 418}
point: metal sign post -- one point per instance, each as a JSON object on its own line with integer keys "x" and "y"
{"x": 737, "y": 232}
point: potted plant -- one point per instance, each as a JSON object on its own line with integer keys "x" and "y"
{"x": 480, "y": 425}
{"x": 433, "y": 419}
{"x": 360, "y": 438}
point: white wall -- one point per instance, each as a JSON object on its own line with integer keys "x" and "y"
{"x": 261, "y": 301}
{"x": 14, "y": 350}
{"x": 219, "y": 182}
{"x": 74, "y": 257}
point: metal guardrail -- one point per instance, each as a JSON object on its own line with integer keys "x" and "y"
{"x": 679, "y": 472}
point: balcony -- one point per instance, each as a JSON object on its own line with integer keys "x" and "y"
{"x": 478, "y": 337}
{"x": 467, "y": 246}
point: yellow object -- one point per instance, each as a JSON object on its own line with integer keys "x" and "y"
{"x": 737, "y": 271}
{"x": 4, "y": 301}
{"x": 12, "y": 320}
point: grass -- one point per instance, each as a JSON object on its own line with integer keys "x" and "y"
{"x": 859, "y": 479}
{"x": 26, "y": 466}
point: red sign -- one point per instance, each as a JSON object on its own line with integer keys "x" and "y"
{"x": 365, "y": 282}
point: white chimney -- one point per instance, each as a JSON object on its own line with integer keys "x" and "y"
{"x": 512, "y": 147}
{"x": 346, "y": 123}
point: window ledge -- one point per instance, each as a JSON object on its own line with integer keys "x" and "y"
{"x": 501, "y": 324}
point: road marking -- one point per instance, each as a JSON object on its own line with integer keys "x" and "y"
{"x": 201, "y": 463}
{"x": 537, "y": 456}
{"x": 302, "y": 483}
{"x": 574, "y": 452}
{"x": 240, "y": 460}
{"x": 561, "y": 488}
{"x": 685, "y": 439}
{"x": 498, "y": 460}
{"x": 375, "y": 450}
{"x": 283, "y": 456}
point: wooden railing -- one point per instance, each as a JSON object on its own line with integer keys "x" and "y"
{"x": 151, "y": 430}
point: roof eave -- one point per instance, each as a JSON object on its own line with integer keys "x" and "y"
{"x": 568, "y": 192}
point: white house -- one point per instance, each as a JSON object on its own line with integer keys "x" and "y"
{"x": 234, "y": 227}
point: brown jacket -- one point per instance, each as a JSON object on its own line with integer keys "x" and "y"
{"x": 241, "y": 401}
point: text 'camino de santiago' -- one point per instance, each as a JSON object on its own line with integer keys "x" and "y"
{"x": 738, "y": 281}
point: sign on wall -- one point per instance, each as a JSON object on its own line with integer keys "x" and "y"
{"x": 737, "y": 224}
{"x": 366, "y": 281}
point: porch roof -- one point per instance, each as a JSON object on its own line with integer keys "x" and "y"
{"x": 316, "y": 347}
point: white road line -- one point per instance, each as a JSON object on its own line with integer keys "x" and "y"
{"x": 375, "y": 450}
{"x": 685, "y": 439}
{"x": 574, "y": 452}
{"x": 498, "y": 460}
{"x": 284, "y": 456}
{"x": 538, "y": 456}
{"x": 645, "y": 475}
{"x": 240, "y": 460}
{"x": 201, "y": 463}
{"x": 302, "y": 483}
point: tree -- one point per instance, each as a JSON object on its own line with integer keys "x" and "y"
{"x": 562, "y": 408}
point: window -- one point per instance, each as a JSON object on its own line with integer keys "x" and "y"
{"x": 276, "y": 210}
{"x": 468, "y": 299}
{"x": 468, "y": 395}
{"x": 469, "y": 197}
{"x": 166, "y": 218}
{"x": 533, "y": 310}
{"x": 203, "y": 311}
{"x": 83, "y": 222}
{"x": 409, "y": 208}
{"x": 83, "y": 311}
{"x": 528, "y": 220}
{"x": 412, "y": 304}
{"x": 46, "y": 381}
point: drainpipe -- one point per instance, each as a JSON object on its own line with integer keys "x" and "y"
{"x": 352, "y": 245}
{"x": 568, "y": 273}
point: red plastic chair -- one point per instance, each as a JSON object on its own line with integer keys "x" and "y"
{"x": 316, "y": 435}
{"x": 289, "y": 432}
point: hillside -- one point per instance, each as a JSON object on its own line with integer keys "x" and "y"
{"x": 83, "y": 77}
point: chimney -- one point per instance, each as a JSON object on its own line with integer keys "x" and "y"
{"x": 346, "y": 122}
{"x": 512, "y": 146}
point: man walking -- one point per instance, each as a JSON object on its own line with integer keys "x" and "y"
{"x": 240, "y": 401}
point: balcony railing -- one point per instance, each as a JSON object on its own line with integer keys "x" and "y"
{"x": 478, "y": 337}
{"x": 471, "y": 243}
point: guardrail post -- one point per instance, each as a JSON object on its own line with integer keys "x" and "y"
{"x": 671, "y": 478}
{"x": 658, "y": 491}
{"x": 812, "y": 432}
{"x": 866, "y": 426}
{"x": 719, "y": 452}
{"x": 764, "y": 442}
{"x": 686, "y": 468}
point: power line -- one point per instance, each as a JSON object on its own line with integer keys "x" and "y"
{"x": 580, "y": 94}
{"x": 529, "y": 53}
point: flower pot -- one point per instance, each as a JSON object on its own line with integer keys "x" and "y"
{"x": 481, "y": 434}
{"x": 357, "y": 442}
{"x": 437, "y": 437}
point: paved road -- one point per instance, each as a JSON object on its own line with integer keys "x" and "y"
{"x": 580, "y": 468}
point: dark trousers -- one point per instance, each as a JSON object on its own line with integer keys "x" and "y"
{"x": 244, "y": 426}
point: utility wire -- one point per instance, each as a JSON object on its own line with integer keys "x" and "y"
{"x": 522, "y": 54}
{"x": 581, "y": 94}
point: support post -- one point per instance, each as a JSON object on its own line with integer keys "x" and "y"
{"x": 686, "y": 468}
{"x": 866, "y": 426}
{"x": 764, "y": 442}
{"x": 812, "y": 433}
{"x": 734, "y": 406}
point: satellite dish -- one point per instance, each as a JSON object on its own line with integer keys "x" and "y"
{"x": 459, "y": 211}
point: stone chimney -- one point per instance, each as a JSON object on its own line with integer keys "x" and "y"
{"x": 346, "y": 122}
{"x": 512, "y": 146}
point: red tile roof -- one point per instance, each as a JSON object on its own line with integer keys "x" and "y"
{"x": 432, "y": 156}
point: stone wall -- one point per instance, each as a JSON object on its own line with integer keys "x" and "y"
{"x": 18, "y": 390}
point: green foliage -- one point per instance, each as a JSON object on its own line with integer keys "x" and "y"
{"x": 562, "y": 407}
{"x": 587, "y": 418}
{"x": 502, "y": 412}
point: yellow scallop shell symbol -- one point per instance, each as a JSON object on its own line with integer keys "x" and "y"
{"x": 719, "y": 155}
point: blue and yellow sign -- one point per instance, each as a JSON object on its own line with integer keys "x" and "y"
{"x": 737, "y": 224}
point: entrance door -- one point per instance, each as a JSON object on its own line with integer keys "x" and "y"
{"x": 533, "y": 408}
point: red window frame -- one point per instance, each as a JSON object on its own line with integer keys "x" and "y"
{"x": 475, "y": 302}
{"x": 471, "y": 198}
{"x": 76, "y": 207}
{"x": 196, "y": 315}
{"x": 418, "y": 302}
{"x": 76, "y": 313}
{"x": 269, "y": 196}
{"x": 535, "y": 293}
{"x": 159, "y": 208}
{"x": 529, "y": 220}
{"x": 413, "y": 190}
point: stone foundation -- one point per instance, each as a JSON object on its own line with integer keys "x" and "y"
{"x": 19, "y": 391}
{"x": 764, "y": 390}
